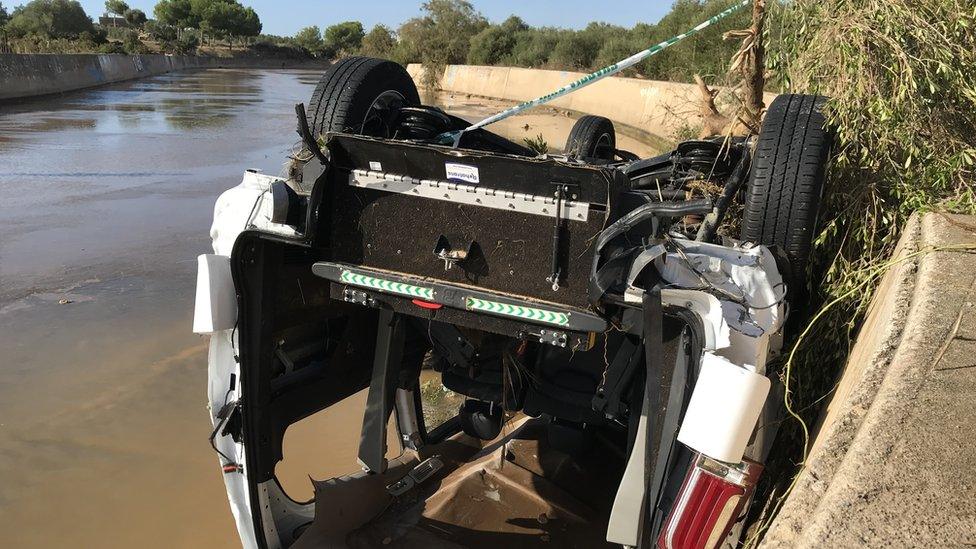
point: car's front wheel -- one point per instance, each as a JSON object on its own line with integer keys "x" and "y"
{"x": 361, "y": 95}
{"x": 786, "y": 186}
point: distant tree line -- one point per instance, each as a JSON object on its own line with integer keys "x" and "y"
{"x": 453, "y": 32}
{"x": 180, "y": 26}
{"x": 448, "y": 32}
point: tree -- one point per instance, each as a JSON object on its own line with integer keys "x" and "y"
{"x": 225, "y": 19}
{"x": 496, "y": 42}
{"x": 136, "y": 18}
{"x": 50, "y": 18}
{"x": 161, "y": 32}
{"x": 177, "y": 13}
{"x": 380, "y": 42}
{"x": 250, "y": 24}
{"x": 453, "y": 24}
{"x": 534, "y": 47}
{"x": 310, "y": 39}
{"x": 116, "y": 7}
{"x": 441, "y": 37}
{"x": 4, "y": 16}
{"x": 343, "y": 38}
{"x": 576, "y": 50}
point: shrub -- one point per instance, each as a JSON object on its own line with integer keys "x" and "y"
{"x": 901, "y": 92}
{"x": 343, "y": 39}
{"x": 310, "y": 39}
{"x": 132, "y": 44}
{"x": 186, "y": 44}
{"x": 112, "y": 47}
{"x": 534, "y": 47}
{"x": 49, "y": 18}
{"x": 575, "y": 51}
{"x": 496, "y": 42}
{"x": 380, "y": 42}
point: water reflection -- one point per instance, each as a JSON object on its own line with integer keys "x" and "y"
{"x": 173, "y": 102}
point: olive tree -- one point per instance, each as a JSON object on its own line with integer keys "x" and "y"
{"x": 496, "y": 43}
{"x": 343, "y": 38}
{"x": 441, "y": 37}
{"x": 310, "y": 39}
{"x": 50, "y": 19}
{"x": 379, "y": 42}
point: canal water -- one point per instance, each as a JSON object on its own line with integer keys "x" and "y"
{"x": 107, "y": 198}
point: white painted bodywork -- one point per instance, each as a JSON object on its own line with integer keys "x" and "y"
{"x": 738, "y": 294}
{"x": 248, "y": 205}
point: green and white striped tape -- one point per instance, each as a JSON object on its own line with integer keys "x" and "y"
{"x": 604, "y": 72}
{"x": 517, "y": 311}
{"x": 384, "y": 285}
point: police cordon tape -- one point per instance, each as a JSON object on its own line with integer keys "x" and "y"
{"x": 454, "y": 137}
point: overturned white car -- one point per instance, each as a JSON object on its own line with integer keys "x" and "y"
{"x": 607, "y": 344}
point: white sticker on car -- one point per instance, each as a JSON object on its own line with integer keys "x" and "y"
{"x": 462, "y": 172}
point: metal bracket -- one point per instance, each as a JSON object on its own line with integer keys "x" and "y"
{"x": 355, "y": 296}
{"x": 451, "y": 256}
{"x": 423, "y": 471}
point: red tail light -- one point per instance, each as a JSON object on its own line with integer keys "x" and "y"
{"x": 711, "y": 499}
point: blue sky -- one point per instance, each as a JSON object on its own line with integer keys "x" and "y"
{"x": 284, "y": 17}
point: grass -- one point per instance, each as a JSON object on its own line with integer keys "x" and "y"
{"x": 538, "y": 144}
{"x": 902, "y": 100}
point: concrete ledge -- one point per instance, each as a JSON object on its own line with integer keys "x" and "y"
{"x": 660, "y": 108}
{"x": 894, "y": 463}
{"x": 29, "y": 75}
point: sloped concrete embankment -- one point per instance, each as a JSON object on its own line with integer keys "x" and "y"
{"x": 29, "y": 75}
{"x": 660, "y": 108}
{"x": 894, "y": 463}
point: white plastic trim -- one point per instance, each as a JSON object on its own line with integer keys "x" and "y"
{"x": 216, "y": 301}
{"x": 724, "y": 409}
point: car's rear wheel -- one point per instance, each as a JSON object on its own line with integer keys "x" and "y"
{"x": 592, "y": 138}
{"x": 361, "y": 95}
{"x": 786, "y": 186}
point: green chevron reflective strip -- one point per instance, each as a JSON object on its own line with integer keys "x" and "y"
{"x": 528, "y": 313}
{"x": 350, "y": 277}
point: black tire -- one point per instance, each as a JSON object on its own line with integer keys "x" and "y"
{"x": 346, "y": 93}
{"x": 592, "y": 138}
{"x": 789, "y": 169}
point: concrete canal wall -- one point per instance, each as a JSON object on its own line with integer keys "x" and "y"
{"x": 29, "y": 75}
{"x": 661, "y": 108}
{"x": 894, "y": 461}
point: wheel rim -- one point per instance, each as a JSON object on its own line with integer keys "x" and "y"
{"x": 377, "y": 122}
{"x": 603, "y": 149}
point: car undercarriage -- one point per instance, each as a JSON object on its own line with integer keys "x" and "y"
{"x": 606, "y": 323}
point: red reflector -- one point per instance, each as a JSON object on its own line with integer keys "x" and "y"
{"x": 426, "y": 304}
{"x": 711, "y": 499}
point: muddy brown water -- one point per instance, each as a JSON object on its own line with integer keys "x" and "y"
{"x": 107, "y": 199}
